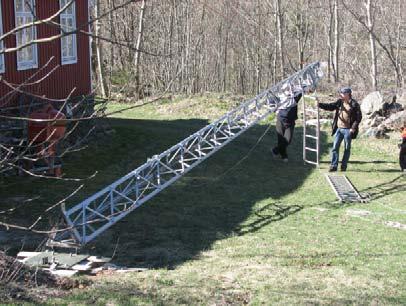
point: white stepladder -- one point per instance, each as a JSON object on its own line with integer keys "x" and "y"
{"x": 311, "y": 132}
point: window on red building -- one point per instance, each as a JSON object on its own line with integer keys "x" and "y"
{"x": 27, "y": 57}
{"x": 68, "y": 24}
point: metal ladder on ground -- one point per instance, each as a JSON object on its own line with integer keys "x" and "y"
{"x": 88, "y": 219}
{"x": 311, "y": 132}
{"x": 344, "y": 189}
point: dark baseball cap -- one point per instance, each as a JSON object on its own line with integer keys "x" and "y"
{"x": 346, "y": 90}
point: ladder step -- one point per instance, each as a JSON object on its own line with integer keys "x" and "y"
{"x": 310, "y": 149}
{"x": 310, "y": 123}
{"x": 311, "y": 110}
{"x": 311, "y": 136}
{"x": 311, "y": 162}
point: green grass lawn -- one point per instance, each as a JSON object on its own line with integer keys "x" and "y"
{"x": 265, "y": 233}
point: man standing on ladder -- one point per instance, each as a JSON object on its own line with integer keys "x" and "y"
{"x": 285, "y": 120}
{"x": 345, "y": 125}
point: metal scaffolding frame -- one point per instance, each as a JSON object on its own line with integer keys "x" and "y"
{"x": 100, "y": 211}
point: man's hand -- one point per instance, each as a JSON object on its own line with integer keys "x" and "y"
{"x": 352, "y": 131}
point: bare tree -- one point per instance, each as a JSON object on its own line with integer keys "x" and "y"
{"x": 99, "y": 52}
{"x": 139, "y": 88}
{"x": 387, "y": 47}
{"x": 369, "y": 5}
{"x": 336, "y": 65}
{"x": 279, "y": 26}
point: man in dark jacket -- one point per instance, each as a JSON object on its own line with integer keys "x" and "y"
{"x": 402, "y": 146}
{"x": 345, "y": 125}
{"x": 285, "y": 122}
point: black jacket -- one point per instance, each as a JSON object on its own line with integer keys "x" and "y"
{"x": 355, "y": 114}
{"x": 289, "y": 116}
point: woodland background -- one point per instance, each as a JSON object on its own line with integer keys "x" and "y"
{"x": 194, "y": 46}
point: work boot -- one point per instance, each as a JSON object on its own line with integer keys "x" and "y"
{"x": 343, "y": 169}
{"x": 332, "y": 169}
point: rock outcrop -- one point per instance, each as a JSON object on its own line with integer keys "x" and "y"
{"x": 380, "y": 116}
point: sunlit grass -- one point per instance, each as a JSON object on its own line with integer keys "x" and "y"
{"x": 265, "y": 233}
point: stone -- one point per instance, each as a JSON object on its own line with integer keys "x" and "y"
{"x": 367, "y": 121}
{"x": 401, "y": 99}
{"x": 396, "y": 121}
{"x": 376, "y": 121}
{"x": 372, "y": 103}
{"x": 391, "y": 108}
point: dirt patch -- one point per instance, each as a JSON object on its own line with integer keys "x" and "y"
{"x": 19, "y": 282}
{"x": 321, "y": 209}
{"x": 358, "y": 212}
{"x": 395, "y": 225}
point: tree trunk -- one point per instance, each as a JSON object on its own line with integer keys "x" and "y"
{"x": 336, "y": 42}
{"x": 370, "y": 23}
{"x": 139, "y": 89}
{"x": 99, "y": 54}
{"x": 279, "y": 26}
{"x": 399, "y": 73}
{"x": 113, "y": 37}
{"x": 302, "y": 30}
{"x": 258, "y": 50}
{"x": 330, "y": 42}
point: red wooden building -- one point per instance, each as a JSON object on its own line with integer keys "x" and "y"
{"x": 50, "y": 69}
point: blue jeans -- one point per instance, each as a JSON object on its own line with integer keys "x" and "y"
{"x": 338, "y": 138}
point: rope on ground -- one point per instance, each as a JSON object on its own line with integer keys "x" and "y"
{"x": 239, "y": 162}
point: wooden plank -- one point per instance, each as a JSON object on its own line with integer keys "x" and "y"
{"x": 83, "y": 266}
{"x": 27, "y": 254}
{"x": 98, "y": 259}
{"x": 63, "y": 273}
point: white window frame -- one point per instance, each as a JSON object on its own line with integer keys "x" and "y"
{"x": 2, "y": 62}
{"x": 33, "y": 62}
{"x": 72, "y": 59}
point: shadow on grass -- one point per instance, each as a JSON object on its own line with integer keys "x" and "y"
{"x": 396, "y": 185}
{"x": 189, "y": 216}
{"x": 206, "y": 204}
{"x": 376, "y": 192}
{"x": 268, "y": 214}
{"x": 372, "y": 162}
{"x": 381, "y": 170}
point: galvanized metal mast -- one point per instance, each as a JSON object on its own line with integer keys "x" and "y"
{"x": 93, "y": 216}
